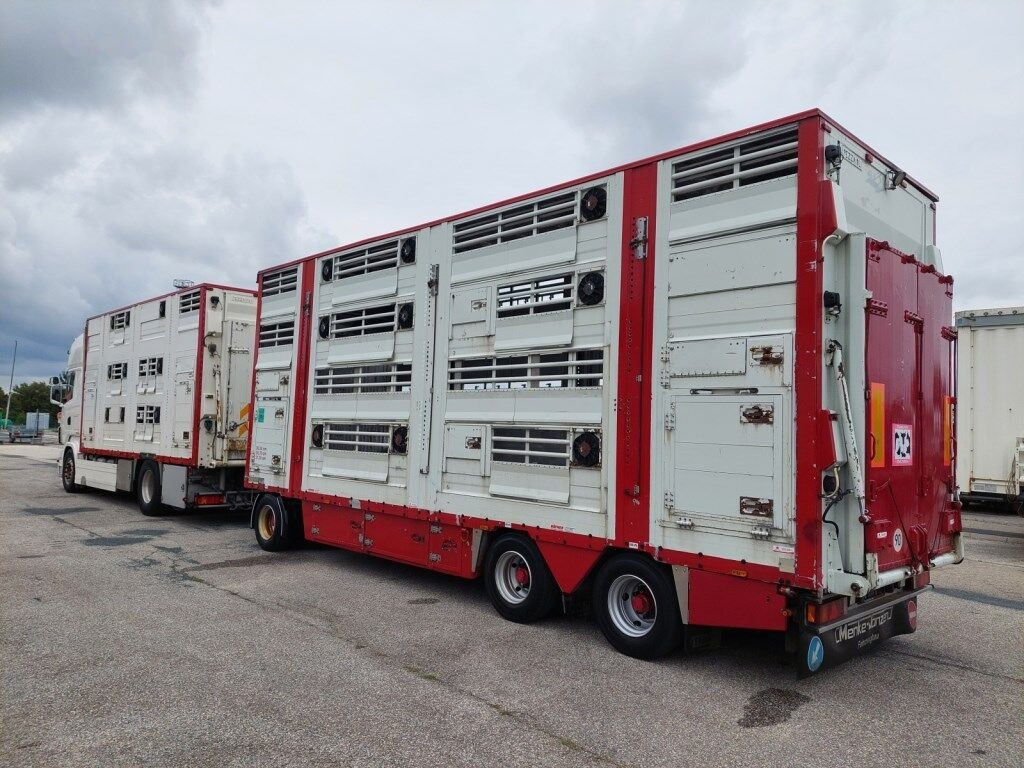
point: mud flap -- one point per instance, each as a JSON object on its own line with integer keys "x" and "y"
{"x": 857, "y": 632}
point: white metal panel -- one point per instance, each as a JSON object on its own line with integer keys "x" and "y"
{"x": 990, "y": 400}
{"x": 550, "y": 329}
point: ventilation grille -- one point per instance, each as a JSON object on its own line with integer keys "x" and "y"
{"x": 556, "y": 370}
{"x": 365, "y": 379}
{"x": 546, "y": 294}
{"x": 147, "y": 414}
{"x": 546, "y": 215}
{"x": 362, "y": 438}
{"x": 277, "y": 334}
{"x": 758, "y": 159}
{"x": 531, "y": 445}
{"x": 282, "y": 281}
{"x": 151, "y": 366}
{"x": 120, "y": 320}
{"x": 117, "y": 371}
{"x": 376, "y": 258}
{"x": 362, "y": 322}
{"x": 188, "y": 303}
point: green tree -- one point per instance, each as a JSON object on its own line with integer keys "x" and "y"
{"x": 30, "y": 397}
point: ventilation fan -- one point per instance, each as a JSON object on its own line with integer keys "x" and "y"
{"x": 594, "y": 203}
{"x": 586, "y": 450}
{"x": 327, "y": 270}
{"x": 409, "y": 250}
{"x": 325, "y": 326}
{"x": 591, "y": 288}
{"x": 318, "y": 436}
{"x": 399, "y": 439}
{"x": 405, "y": 316}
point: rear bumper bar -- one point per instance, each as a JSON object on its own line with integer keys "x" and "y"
{"x": 859, "y": 631}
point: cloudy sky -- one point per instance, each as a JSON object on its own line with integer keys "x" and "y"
{"x": 145, "y": 141}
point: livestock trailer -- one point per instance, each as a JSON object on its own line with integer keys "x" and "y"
{"x": 990, "y": 405}
{"x": 162, "y": 408}
{"x": 709, "y": 388}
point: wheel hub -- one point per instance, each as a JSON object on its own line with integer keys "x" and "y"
{"x": 641, "y": 603}
{"x": 522, "y": 576}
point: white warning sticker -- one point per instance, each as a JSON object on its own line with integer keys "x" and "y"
{"x": 902, "y": 445}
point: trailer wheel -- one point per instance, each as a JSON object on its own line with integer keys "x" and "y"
{"x": 635, "y": 604}
{"x": 518, "y": 581}
{"x": 148, "y": 488}
{"x": 67, "y": 473}
{"x": 269, "y": 524}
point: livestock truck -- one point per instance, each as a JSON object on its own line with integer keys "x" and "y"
{"x": 990, "y": 407}
{"x": 155, "y": 400}
{"x": 710, "y": 388}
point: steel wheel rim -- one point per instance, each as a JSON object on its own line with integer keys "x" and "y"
{"x": 148, "y": 486}
{"x": 69, "y": 470}
{"x": 267, "y": 522}
{"x": 627, "y": 597}
{"x": 508, "y": 577}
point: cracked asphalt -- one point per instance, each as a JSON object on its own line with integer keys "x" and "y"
{"x": 175, "y": 641}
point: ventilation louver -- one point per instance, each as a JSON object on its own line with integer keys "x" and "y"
{"x": 759, "y": 158}
{"x": 282, "y": 281}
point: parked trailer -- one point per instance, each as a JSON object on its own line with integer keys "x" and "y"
{"x": 990, "y": 406}
{"x": 711, "y": 388}
{"x": 162, "y": 408}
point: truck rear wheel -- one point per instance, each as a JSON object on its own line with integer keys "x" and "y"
{"x": 635, "y": 605}
{"x": 270, "y": 525}
{"x": 518, "y": 581}
{"x": 67, "y": 473}
{"x": 148, "y": 488}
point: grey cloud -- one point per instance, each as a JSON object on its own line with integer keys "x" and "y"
{"x": 89, "y": 54}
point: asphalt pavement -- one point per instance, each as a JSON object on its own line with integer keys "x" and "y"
{"x": 175, "y": 641}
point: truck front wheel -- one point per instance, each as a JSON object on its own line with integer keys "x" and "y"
{"x": 67, "y": 473}
{"x": 147, "y": 488}
{"x": 634, "y": 602}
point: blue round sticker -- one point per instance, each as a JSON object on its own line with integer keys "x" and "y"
{"x": 815, "y": 654}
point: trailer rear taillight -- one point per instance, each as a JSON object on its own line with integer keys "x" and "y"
{"x": 209, "y": 499}
{"x": 823, "y": 613}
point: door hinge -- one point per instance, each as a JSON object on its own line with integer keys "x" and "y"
{"x": 639, "y": 242}
{"x": 435, "y": 529}
{"x": 670, "y": 499}
{"x": 367, "y": 542}
{"x": 761, "y": 532}
{"x": 684, "y": 522}
{"x": 434, "y": 557}
{"x": 368, "y": 517}
{"x": 670, "y": 417}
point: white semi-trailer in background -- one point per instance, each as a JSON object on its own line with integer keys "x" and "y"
{"x": 162, "y": 407}
{"x": 990, "y": 405}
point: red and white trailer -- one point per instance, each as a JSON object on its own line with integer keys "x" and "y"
{"x": 711, "y": 388}
{"x": 157, "y": 400}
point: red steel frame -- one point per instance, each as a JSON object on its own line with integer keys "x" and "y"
{"x": 571, "y": 556}
{"x": 193, "y": 461}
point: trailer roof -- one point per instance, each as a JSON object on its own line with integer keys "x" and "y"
{"x": 191, "y": 288}
{"x": 981, "y": 318}
{"x": 617, "y": 169}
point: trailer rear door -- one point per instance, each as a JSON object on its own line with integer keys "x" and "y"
{"x": 909, "y": 363}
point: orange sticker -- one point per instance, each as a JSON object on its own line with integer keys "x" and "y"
{"x": 877, "y": 424}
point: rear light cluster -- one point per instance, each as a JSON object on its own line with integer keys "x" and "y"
{"x": 824, "y": 613}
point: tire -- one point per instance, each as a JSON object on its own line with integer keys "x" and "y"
{"x": 518, "y": 581}
{"x": 148, "y": 488}
{"x": 67, "y": 473}
{"x": 636, "y": 607}
{"x": 271, "y": 524}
